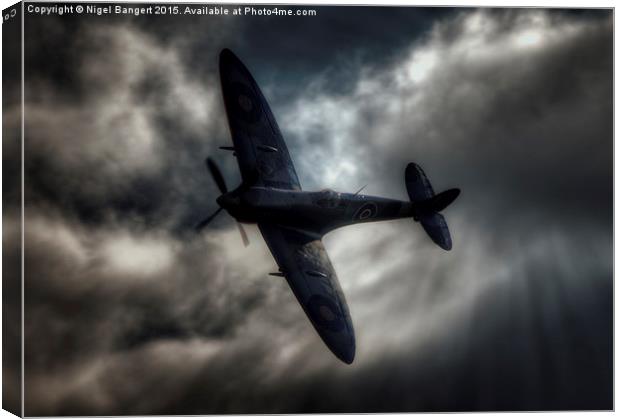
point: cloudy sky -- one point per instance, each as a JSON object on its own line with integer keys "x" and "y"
{"x": 128, "y": 311}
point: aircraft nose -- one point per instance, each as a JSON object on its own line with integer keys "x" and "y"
{"x": 227, "y": 201}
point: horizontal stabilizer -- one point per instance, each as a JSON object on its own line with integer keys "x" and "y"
{"x": 437, "y": 229}
{"x": 427, "y": 205}
{"x": 435, "y": 204}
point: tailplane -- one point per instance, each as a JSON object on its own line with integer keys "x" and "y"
{"x": 427, "y": 205}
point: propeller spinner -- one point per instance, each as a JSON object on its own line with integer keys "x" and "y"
{"x": 216, "y": 173}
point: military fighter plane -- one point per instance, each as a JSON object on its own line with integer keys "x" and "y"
{"x": 293, "y": 221}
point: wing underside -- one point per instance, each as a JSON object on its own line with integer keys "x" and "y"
{"x": 260, "y": 149}
{"x": 304, "y": 262}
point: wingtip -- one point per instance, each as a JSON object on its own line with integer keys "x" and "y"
{"x": 348, "y": 361}
{"x": 343, "y": 351}
{"x": 446, "y": 247}
{"x": 347, "y": 356}
{"x": 445, "y": 243}
{"x": 226, "y": 55}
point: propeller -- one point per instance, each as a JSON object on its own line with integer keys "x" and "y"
{"x": 216, "y": 173}
{"x": 244, "y": 237}
{"x": 206, "y": 221}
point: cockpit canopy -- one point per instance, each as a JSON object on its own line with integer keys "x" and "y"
{"x": 328, "y": 198}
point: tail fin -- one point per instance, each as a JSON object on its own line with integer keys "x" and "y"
{"x": 427, "y": 205}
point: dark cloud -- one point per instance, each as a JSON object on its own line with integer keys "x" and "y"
{"x": 129, "y": 312}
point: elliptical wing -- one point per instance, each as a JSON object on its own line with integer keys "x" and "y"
{"x": 258, "y": 144}
{"x": 304, "y": 263}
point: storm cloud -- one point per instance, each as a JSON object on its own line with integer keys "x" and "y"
{"x": 128, "y": 311}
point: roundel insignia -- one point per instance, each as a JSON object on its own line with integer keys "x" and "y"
{"x": 366, "y": 211}
{"x": 265, "y": 169}
{"x": 245, "y": 102}
{"x": 325, "y": 313}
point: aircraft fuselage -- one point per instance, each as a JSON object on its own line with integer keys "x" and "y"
{"x": 320, "y": 211}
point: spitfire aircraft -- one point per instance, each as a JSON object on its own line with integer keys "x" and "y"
{"x": 293, "y": 221}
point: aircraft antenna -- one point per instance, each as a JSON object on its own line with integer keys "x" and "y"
{"x": 360, "y": 190}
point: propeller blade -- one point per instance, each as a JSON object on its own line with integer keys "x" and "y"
{"x": 217, "y": 175}
{"x": 244, "y": 236}
{"x": 206, "y": 221}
